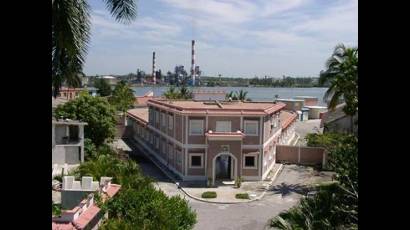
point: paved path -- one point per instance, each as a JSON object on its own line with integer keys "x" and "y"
{"x": 283, "y": 194}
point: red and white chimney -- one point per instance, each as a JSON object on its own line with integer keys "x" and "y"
{"x": 193, "y": 63}
{"x": 153, "y": 68}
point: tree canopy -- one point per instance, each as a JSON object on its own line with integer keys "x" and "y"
{"x": 342, "y": 75}
{"x": 103, "y": 88}
{"x": 122, "y": 97}
{"x": 96, "y": 111}
{"x": 174, "y": 93}
{"x": 70, "y": 35}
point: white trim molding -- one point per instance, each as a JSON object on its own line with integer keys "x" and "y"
{"x": 251, "y": 122}
{"x": 190, "y": 160}
{"x": 255, "y": 162}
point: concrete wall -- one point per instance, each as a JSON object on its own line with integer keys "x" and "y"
{"x": 342, "y": 125}
{"x": 300, "y": 155}
{"x": 268, "y": 130}
{"x": 69, "y": 154}
{"x": 70, "y": 199}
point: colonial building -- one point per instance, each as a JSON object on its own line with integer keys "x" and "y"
{"x": 212, "y": 140}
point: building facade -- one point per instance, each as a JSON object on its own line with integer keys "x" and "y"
{"x": 204, "y": 140}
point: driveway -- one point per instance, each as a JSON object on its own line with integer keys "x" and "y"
{"x": 284, "y": 193}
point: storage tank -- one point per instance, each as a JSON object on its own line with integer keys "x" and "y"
{"x": 314, "y": 111}
{"x": 305, "y": 114}
{"x": 309, "y": 100}
{"x": 292, "y": 104}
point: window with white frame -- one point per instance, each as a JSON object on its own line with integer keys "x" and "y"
{"x": 170, "y": 152}
{"x": 157, "y": 116}
{"x": 250, "y": 161}
{"x": 170, "y": 122}
{"x": 163, "y": 120}
{"x": 157, "y": 142}
{"x": 251, "y": 128}
{"x": 179, "y": 157}
{"x": 196, "y": 127}
{"x": 163, "y": 147}
{"x": 223, "y": 126}
{"x": 196, "y": 160}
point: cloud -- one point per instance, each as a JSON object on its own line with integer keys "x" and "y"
{"x": 234, "y": 37}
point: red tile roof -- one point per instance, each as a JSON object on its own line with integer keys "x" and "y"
{"x": 140, "y": 114}
{"x": 141, "y": 101}
{"x": 286, "y": 118}
{"x": 62, "y": 226}
{"x": 82, "y": 221}
{"x": 223, "y": 108}
{"x": 113, "y": 189}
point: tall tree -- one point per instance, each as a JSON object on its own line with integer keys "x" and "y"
{"x": 70, "y": 35}
{"x": 341, "y": 73}
{"x": 122, "y": 97}
{"x": 96, "y": 111}
{"x": 103, "y": 88}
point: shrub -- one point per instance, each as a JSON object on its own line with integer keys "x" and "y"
{"x": 238, "y": 182}
{"x": 56, "y": 209}
{"x": 242, "y": 196}
{"x": 149, "y": 208}
{"x": 209, "y": 194}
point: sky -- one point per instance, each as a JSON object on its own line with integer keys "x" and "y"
{"x": 234, "y": 38}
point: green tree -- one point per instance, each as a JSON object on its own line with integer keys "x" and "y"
{"x": 122, "y": 97}
{"x": 231, "y": 95}
{"x": 171, "y": 93}
{"x": 150, "y": 208}
{"x": 103, "y": 88}
{"x": 184, "y": 93}
{"x": 341, "y": 73}
{"x": 96, "y": 111}
{"x": 336, "y": 205}
{"x": 242, "y": 95}
{"x": 70, "y": 35}
{"x": 90, "y": 151}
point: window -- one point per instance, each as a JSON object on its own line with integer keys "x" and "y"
{"x": 179, "y": 157}
{"x": 249, "y": 161}
{"x": 223, "y": 126}
{"x": 163, "y": 120}
{"x": 251, "y": 128}
{"x": 170, "y": 122}
{"x": 170, "y": 152}
{"x": 195, "y": 160}
{"x": 157, "y": 142}
{"x": 163, "y": 147}
{"x": 156, "y": 116}
{"x": 196, "y": 127}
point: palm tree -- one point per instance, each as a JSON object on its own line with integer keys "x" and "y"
{"x": 231, "y": 95}
{"x": 171, "y": 93}
{"x": 341, "y": 73}
{"x": 70, "y": 33}
{"x": 242, "y": 95}
{"x": 184, "y": 93}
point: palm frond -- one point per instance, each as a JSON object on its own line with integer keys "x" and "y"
{"x": 122, "y": 10}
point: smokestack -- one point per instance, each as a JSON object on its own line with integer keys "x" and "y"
{"x": 153, "y": 68}
{"x": 193, "y": 63}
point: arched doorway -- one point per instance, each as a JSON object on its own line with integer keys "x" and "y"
{"x": 224, "y": 167}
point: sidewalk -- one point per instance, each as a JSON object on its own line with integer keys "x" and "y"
{"x": 226, "y": 193}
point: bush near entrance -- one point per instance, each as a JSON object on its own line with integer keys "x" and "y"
{"x": 209, "y": 194}
{"x": 242, "y": 196}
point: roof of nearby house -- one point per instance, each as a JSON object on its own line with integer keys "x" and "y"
{"x": 286, "y": 118}
{"x": 141, "y": 101}
{"x": 57, "y": 101}
{"x": 67, "y": 122}
{"x": 139, "y": 113}
{"x": 217, "y": 107}
{"x": 333, "y": 115}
